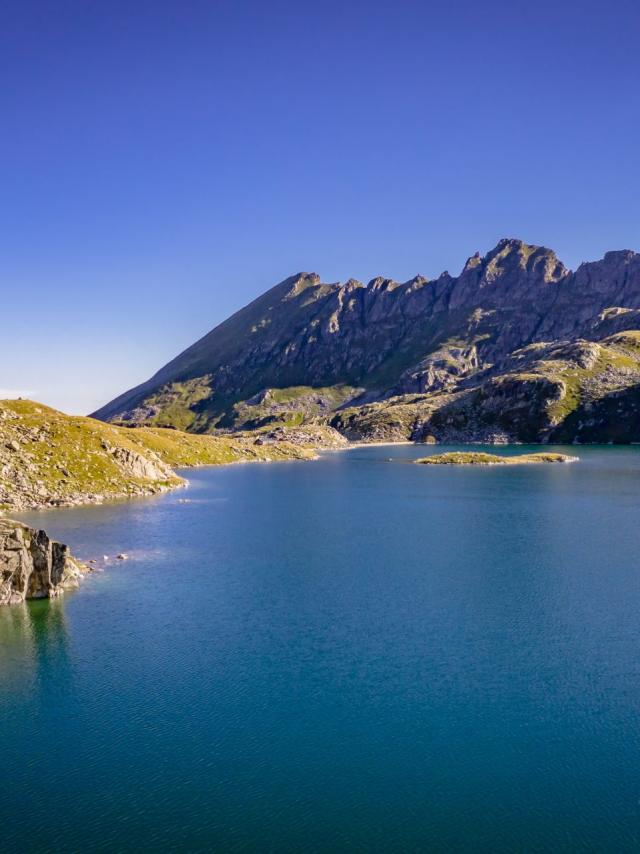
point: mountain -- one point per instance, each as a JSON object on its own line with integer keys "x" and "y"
{"x": 515, "y": 348}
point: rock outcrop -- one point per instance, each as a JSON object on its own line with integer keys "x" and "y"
{"x": 149, "y": 467}
{"x": 502, "y": 351}
{"x": 32, "y": 566}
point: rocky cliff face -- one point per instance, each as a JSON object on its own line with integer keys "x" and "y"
{"x": 32, "y": 566}
{"x": 462, "y": 344}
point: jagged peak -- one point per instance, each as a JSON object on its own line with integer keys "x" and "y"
{"x": 513, "y": 245}
{"x": 510, "y": 243}
{"x": 511, "y": 256}
{"x": 352, "y": 284}
{"x": 299, "y": 283}
{"x": 308, "y": 278}
{"x": 472, "y": 262}
{"x": 512, "y": 251}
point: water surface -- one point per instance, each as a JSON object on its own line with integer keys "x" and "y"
{"x": 350, "y": 654}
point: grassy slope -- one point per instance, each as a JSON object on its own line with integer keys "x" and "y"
{"x": 47, "y": 457}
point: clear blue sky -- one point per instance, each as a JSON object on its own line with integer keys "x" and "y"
{"x": 162, "y": 163}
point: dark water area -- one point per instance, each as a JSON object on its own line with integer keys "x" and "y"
{"x": 353, "y": 654}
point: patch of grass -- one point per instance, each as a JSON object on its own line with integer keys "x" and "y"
{"x": 291, "y": 406}
{"x": 480, "y": 458}
{"x": 178, "y": 403}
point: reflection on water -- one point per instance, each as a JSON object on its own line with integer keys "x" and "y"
{"x": 33, "y": 641}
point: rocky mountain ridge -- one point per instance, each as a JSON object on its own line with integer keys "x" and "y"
{"x": 517, "y": 347}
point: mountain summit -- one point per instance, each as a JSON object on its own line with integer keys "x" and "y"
{"x": 517, "y": 347}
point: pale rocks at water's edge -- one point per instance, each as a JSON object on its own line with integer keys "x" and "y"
{"x": 32, "y": 566}
{"x": 517, "y": 348}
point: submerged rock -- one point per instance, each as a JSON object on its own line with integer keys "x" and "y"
{"x": 32, "y": 566}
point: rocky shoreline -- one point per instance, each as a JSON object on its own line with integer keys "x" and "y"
{"x": 33, "y": 566}
{"x": 48, "y": 459}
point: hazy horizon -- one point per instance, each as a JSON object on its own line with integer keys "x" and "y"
{"x": 162, "y": 167}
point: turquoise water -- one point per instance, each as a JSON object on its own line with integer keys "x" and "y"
{"x": 350, "y": 654}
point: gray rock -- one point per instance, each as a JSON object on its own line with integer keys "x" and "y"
{"x": 32, "y": 566}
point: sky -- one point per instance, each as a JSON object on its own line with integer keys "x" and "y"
{"x": 163, "y": 162}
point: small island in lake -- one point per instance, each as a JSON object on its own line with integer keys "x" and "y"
{"x": 480, "y": 458}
